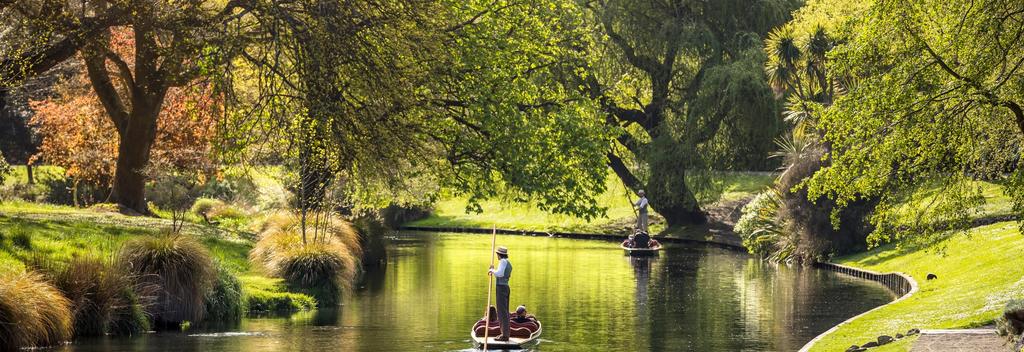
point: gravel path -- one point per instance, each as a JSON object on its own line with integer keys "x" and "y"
{"x": 967, "y": 340}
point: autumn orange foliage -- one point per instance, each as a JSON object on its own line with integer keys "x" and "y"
{"x": 77, "y": 134}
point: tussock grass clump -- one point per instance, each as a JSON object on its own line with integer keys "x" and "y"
{"x": 21, "y": 238}
{"x": 182, "y": 270}
{"x": 321, "y": 270}
{"x": 32, "y": 312}
{"x": 324, "y": 266}
{"x": 104, "y": 297}
{"x": 224, "y": 301}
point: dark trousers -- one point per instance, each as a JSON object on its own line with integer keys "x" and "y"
{"x": 503, "y": 292}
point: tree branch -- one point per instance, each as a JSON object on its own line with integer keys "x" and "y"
{"x": 621, "y": 170}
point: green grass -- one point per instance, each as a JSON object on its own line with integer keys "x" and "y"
{"x": 978, "y": 273}
{"x": 997, "y": 203}
{"x": 451, "y": 212}
{"x": 19, "y": 174}
{"x": 62, "y": 232}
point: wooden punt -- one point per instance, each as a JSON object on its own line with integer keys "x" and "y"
{"x": 642, "y": 251}
{"x": 513, "y": 343}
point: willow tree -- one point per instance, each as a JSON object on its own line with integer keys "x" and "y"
{"x": 376, "y": 99}
{"x": 936, "y": 101}
{"x": 668, "y": 75}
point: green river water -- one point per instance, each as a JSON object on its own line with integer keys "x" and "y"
{"x": 588, "y": 295}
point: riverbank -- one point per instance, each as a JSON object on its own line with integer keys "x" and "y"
{"x": 33, "y": 230}
{"x": 731, "y": 190}
{"x": 976, "y": 274}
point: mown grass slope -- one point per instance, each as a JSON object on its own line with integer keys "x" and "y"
{"x": 978, "y": 272}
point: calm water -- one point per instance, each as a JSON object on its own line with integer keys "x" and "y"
{"x": 587, "y": 294}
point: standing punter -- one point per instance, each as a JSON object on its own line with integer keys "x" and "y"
{"x": 503, "y": 272}
{"x": 641, "y": 206}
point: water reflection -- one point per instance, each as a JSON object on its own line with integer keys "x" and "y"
{"x": 588, "y": 295}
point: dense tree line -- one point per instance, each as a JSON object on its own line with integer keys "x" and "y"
{"x": 537, "y": 99}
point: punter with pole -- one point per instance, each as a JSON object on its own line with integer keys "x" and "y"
{"x": 502, "y": 273}
{"x": 641, "y": 207}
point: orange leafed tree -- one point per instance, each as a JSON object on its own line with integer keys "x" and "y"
{"x": 78, "y": 134}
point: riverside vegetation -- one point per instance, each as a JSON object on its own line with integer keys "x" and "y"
{"x": 72, "y": 272}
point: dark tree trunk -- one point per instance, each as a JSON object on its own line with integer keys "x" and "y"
{"x": 28, "y": 171}
{"x": 671, "y": 197}
{"x": 129, "y": 187}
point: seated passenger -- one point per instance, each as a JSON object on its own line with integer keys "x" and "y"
{"x": 641, "y": 239}
{"x": 521, "y": 316}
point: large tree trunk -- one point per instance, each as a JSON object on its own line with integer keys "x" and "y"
{"x": 129, "y": 188}
{"x": 667, "y": 191}
{"x": 670, "y": 196}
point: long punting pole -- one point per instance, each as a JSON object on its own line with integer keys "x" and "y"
{"x": 490, "y": 280}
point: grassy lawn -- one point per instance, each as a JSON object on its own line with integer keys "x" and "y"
{"x": 452, "y": 211}
{"x": 977, "y": 273}
{"x": 55, "y": 232}
{"x": 19, "y": 174}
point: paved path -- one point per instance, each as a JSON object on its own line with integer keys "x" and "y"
{"x": 966, "y": 340}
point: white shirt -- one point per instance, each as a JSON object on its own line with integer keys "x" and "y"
{"x": 642, "y": 203}
{"x": 502, "y": 265}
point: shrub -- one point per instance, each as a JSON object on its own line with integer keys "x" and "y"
{"x": 227, "y": 212}
{"x": 32, "y": 312}
{"x": 265, "y": 301}
{"x": 5, "y": 168}
{"x": 203, "y": 206}
{"x": 101, "y": 294}
{"x": 224, "y": 301}
{"x": 179, "y": 267}
{"x": 759, "y": 227}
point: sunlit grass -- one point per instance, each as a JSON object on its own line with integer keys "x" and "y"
{"x": 452, "y": 212}
{"x": 63, "y": 232}
{"x": 977, "y": 274}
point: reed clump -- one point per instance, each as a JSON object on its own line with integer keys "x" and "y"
{"x": 33, "y": 313}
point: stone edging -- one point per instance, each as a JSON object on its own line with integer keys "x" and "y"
{"x": 899, "y": 283}
{"x": 576, "y": 235}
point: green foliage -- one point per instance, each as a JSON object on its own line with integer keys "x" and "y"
{"x": 270, "y": 301}
{"x": 681, "y": 97}
{"x": 5, "y": 168}
{"x": 224, "y": 302}
{"x": 933, "y": 98}
{"x": 180, "y": 267}
{"x": 32, "y": 312}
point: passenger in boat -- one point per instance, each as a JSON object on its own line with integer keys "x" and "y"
{"x": 522, "y": 317}
{"x": 492, "y": 314}
{"x": 502, "y": 273}
{"x": 641, "y": 207}
{"x": 641, "y": 239}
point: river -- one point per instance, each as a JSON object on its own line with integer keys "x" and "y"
{"x": 588, "y": 295}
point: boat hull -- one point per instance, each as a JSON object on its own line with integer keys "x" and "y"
{"x": 642, "y": 251}
{"x": 514, "y": 343}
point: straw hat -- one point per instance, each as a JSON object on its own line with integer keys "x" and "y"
{"x": 501, "y": 250}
